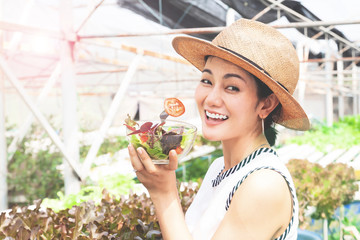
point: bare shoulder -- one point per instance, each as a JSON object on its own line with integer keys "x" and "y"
{"x": 261, "y": 207}
{"x": 266, "y": 192}
{"x": 265, "y": 183}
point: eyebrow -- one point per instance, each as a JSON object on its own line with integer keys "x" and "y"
{"x": 207, "y": 70}
{"x": 228, "y": 75}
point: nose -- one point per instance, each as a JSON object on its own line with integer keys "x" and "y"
{"x": 214, "y": 98}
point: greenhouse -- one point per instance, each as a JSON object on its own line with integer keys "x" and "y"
{"x": 74, "y": 73}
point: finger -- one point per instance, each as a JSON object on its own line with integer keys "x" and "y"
{"x": 146, "y": 160}
{"x": 173, "y": 160}
{"x": 134, "y": 158}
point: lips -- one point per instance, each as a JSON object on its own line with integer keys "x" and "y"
{"x": 215, "y": 116}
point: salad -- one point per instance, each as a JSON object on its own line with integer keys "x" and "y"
{"x": 158, "y": 138}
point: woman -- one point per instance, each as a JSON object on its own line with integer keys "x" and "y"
{"x": 249, "y": 72}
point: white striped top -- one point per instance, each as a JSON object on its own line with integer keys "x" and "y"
{"x": 217, "y": 189}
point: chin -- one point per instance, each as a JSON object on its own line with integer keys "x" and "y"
{"x": 211, "y": 137}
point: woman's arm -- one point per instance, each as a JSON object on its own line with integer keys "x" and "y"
{"x": 260, "y": 209}
{"x": 171, "y": 217}
{"x": 160, "y": 181}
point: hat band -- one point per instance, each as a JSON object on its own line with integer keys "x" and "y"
{"x": 249, "y": 61}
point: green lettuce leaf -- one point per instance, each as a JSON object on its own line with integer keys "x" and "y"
{"x": 155, "y": 153}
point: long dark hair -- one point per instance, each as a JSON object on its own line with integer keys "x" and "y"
{"x": 263, "y": 91}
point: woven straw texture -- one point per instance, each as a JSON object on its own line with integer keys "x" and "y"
{"x": 261, "y": 50}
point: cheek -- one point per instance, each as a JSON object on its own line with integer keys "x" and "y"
{"x": 199, "y": 95}
{"x": 243, "y": 108}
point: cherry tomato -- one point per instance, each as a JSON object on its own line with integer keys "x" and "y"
{"x": 174, "y": 107}
{"x": 179, "y": 150}
{"x": 143, "y": 137}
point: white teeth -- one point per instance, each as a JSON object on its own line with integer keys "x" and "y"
{"x": 215, "y": 115}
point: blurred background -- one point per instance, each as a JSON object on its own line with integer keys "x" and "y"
{"x": 71, "y": 71}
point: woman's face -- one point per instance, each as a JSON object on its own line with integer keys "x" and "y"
{"x": 227, "y": 101}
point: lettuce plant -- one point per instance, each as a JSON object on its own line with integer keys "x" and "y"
{"x": 131, "y": 217}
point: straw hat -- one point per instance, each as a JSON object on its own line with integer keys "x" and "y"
{"x": 261, "y": 50}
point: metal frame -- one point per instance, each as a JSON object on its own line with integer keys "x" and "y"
{"x": 37, "y": 113}
{"x": 111, "y": 113}
{"x": 3, "y": 151}
{"x": 66, "y": 66}
{"x": 329, "y": 96}
{"x": 209, "y": 30}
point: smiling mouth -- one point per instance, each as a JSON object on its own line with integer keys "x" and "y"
{"x": 215, "y": 116}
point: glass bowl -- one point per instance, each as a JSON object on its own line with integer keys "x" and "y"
{"x": 159, "y": 140}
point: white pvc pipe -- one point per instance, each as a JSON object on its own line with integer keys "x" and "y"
{"x": 29, "y": 119}
{"x": 70, "y": 120}
{"x": 325, "y": 229}
{"x": 39, "y": 116}
{"x": 302, "y": 51}
{"x": 15, "y": 40}
{"x": 305, "y": 19}
{"x": 355, "y": 87}
{"x": 3, "y": 161}
{"x": 69, "y": 98}
{"x": 329, "y": 94}
{"x": 114, "y": 107}
{"x": 230, "y": 16}
{"x": 340, "y": 78}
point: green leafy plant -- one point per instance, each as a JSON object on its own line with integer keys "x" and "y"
{"x": 352, "y": 220}
{"x": 325, "y": 188}
{"x": 200, "y": 140}
{"x": 131, "y": 217}
{"x": 116, "y": 184}
{"x": 341, "y": 135}
{"x": 33, "y": 174}
{"x": 111, "y": 145}
{"x": 33, "y": 171}
{"x": 348, "y": 218}
{"x": 197, "y": 168}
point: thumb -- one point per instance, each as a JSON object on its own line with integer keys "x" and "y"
{"x": 173, "y": 160}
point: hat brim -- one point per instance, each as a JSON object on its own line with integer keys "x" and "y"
{"x": 195, "y": 50}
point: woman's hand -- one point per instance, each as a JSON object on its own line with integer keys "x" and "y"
{"x": 158, "y": 179}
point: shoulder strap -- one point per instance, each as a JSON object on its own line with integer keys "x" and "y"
{"x": 292, "y": 191}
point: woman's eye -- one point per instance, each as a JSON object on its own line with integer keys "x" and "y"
{"x": 205, "y": 81}
{"x": 233, "y": 88}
